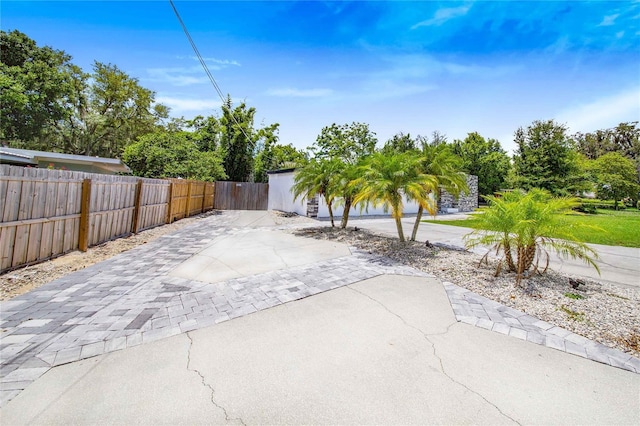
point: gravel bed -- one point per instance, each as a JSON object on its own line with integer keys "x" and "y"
{"x": 602, "y": 312}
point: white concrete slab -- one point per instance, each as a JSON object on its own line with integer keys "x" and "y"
{"x": 382, "y": 351}
{"x": 254, "y": 252}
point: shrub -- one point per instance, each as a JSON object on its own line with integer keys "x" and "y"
{"x": 518, "y": 224}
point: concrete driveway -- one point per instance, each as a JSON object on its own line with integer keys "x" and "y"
{"x": 346, "y": 338}
{"x": 618, "y": 265}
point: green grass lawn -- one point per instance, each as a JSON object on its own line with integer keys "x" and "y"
{"x": 618, "y": 228}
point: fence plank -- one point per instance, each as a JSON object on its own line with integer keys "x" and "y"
{"x": 137, "y": 211}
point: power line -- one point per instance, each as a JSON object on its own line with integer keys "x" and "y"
{"x": 204, "y": 65}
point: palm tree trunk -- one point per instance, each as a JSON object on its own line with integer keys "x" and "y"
{"x": 417, "y": 223}
{"x": 508, "y": 257}
{"x": 329, "y": 202}
{"x": 345, "y": 213}
{"x": 399, "y": 227}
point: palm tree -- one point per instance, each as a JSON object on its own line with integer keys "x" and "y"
{"x": 346, "y": 187}
{"x": 438, "y": 161}
{"x": 519, "y": 224}
{"x": 317, "y": 177}
{"x": 385, "y": 179}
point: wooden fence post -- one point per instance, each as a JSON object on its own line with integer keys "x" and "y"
{"x": 188, "y": 208}
{"x": 204, "y": 193}
{"x": 169, "y": 204}
{"x": 85, "y": 205}
{"x": 137, "y": 210}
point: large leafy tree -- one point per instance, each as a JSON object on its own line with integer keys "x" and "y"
{"x": 544, "y": 159}
{"x": 109, "y": 113}
{"x": 36, "y": 88}
{"x": 401, "y": 142}
{"x": 518, "y": 225}
{"x": 624, "y": 139}
{"x": 386, "y": 179}
{"x": 615, "y": 177}
{"x": 172, "y": 155}
{"x": 273, "y": 157}
{"x": 240, "y": 141}
{"x": 486, "y": 159}
{"x": 438, "y": 160}
{"x": 348, "y": 142}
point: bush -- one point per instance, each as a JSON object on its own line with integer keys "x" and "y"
{"x": 518, "y": 225}
{"x": 589, "y": 205}
{"x": 586, "y": 208}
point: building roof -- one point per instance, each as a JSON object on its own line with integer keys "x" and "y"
{"x": 27, "y": 157}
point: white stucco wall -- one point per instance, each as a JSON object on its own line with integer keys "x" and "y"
{"x": 410, "y": 207}
{"x": 281, "y": 197}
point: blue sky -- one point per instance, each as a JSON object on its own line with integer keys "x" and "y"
{"x": 455, "y": 67}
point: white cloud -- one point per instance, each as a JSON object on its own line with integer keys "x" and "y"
{"x": 603, "y": 113}
{"x": 289, "y": 92}
{"x": 184, "y": 104}
{"x": 443, "y": 15}
{"x": 178, "y": 76}
{"x": 221, "y": 63}
{"x": 189, "y": 75}
{"x": 608, "y": 20}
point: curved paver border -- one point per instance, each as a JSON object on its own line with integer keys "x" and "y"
{"x": 479, "y": 311}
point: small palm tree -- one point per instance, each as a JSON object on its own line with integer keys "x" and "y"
{"x": 440, "y": 162}
{"x": 317, "y": 177}
{"x": 519, "y": 224}
{"x": 346, "y": 187}
{"x": 385, "y": 179}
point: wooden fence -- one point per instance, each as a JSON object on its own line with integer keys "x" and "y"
{"x": 45, "y": 213}
{"x": 241, "y": 196}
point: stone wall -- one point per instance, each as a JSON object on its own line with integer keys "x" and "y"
{"x": 312, "y": 207}
{"x": 466, "y": 202}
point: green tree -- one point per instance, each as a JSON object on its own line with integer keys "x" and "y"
{"x": 386, "y": 179}
{"x": 172, "y": 155}
{"x": 206, "y": 132}
{"x": 273, "y": 157}
{"x": 624, "y": 139}
{"x": 400, "y": 142}
{"x": 518, "y": 224}
{"x": 486, "y": 159}
{"x": 36, "y": 89}
{"x": 544, "y": 159}
{"x": 348, "y": 142}
{"x": 318, "y": 177}
{"x": 109, "y": 113}
{"x": 615, "y": 177}
{"x": 438, "y": 160}
{"x": 240, "y": 141}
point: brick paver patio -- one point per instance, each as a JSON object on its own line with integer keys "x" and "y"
{"x": 130, "y": 299}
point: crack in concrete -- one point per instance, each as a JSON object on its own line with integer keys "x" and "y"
{"x": 434, "y": 351}
{"x": 207, "y": 385}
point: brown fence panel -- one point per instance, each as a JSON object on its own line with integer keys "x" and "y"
{"x": 241, "y": 196}
{"x": 153, "y": 205}
{"x": 179, "y": 198}
{"x": 40, "y": 209}
{"x": 112, "y": 208}
{"x": 209, "y": 191}
{"x": 40, "y": 217}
